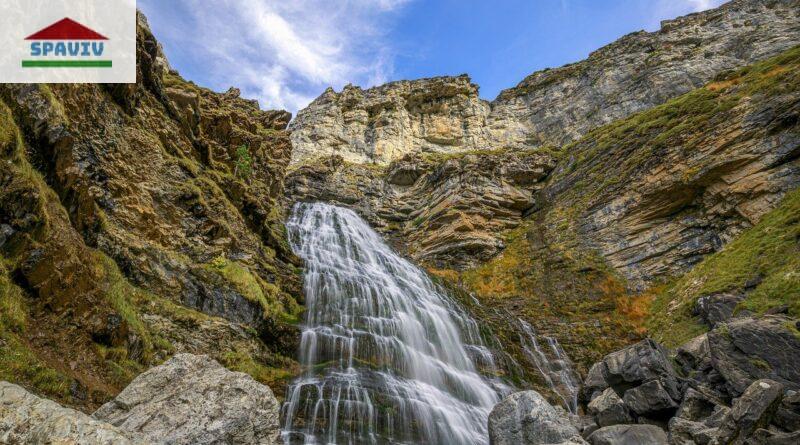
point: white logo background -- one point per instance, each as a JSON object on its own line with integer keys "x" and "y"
{"x": 115, "y": 19}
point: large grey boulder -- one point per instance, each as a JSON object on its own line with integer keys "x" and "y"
{"x": 192, "y": 399}
{"x": 595, "y": 382}
{"x": 747, "y": 349}
{"x": 527, "y": 418}
{"x": 28, "y": 419}
{"x": 788, "y": 414}
{"x": 639, "y": 363}
{"x": 629, "y": 435}
{"x": 609, "y": 409}
{"x": 650, "y": 398}
{"x": 751, "y": 411}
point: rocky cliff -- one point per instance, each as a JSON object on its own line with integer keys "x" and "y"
{"x": 137, "y": 221}
{"x": 550, "y": 107}
{"x": 579, "y": 231}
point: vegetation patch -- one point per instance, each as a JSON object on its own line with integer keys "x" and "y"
{"x": 763, "y": 263}
{"x": 18, "y": 363}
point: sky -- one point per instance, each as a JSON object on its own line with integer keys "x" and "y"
{"x": 285, "y": 53}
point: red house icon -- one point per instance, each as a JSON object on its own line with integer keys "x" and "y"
{"x": 66, "y": 29}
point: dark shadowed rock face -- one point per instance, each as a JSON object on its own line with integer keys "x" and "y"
{"x": 705, "y": 404}
{"x": 748, "y": 349}
{"x": 751, "y": 411}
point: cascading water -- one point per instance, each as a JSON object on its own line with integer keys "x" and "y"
{"x": 388, "y": 357}
{"x": 554, "y": 365}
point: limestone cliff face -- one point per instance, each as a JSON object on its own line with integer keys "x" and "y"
{"x": 140, "y": 220}
{"x": 642, "y": 70}
{"x": 444, "y": 210}
{"x": 550, "y": 107}
{"x": 378, "y": 125}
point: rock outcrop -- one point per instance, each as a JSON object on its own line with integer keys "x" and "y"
{"x": 642, "y": 70}
{"x": 28, "y": 419}
{"x": 133, "y": 218}
{"x": 194, "y": 400}
{"x": 448, "y": 210}
{"x": 550, "y": 107}
{"x": 713, "y": 397}
{"x": 527, "y": 418}
{"x": 187, "y": 400}
{"x": 384, "y": 123}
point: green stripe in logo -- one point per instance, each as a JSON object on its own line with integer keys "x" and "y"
{"x": 66, "y": 64}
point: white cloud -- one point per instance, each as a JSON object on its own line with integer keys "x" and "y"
{"x": 284, "y": 53}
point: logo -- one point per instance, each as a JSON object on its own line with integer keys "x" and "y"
{"x": 68, "y": 41}
{"x": 66, "y": 44}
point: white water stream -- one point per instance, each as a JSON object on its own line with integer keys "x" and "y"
{"x": 388, "y": 356}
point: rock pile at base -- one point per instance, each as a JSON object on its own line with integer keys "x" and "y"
{"x": 737, "y": 384}
{"x": 189, "y": 399}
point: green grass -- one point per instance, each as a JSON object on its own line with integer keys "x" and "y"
{"x": 274, "y": 303}
{"x": 244, "y": 362}
{"x": 639, "y": 139}
{"x": 767, "y": 254}
{"x": 17, "y": 362}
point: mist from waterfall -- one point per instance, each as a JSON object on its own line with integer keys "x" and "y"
{"x": 387, "y": 355}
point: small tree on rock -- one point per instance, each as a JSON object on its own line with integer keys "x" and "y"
{"x": 243, "y": 167}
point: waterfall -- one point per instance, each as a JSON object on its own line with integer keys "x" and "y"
{"x": 554, "y": 365}
{"x": 388, "y": 357}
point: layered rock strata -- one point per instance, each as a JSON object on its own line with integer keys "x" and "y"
{"x": 550, "y": 107}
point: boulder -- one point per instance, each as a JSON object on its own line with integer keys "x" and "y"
{"x": 28, "y": 419}
{"x": 629, "y": 435}
{"x": 650, "y": 399}
{"x": 768, "y": 437}
{"x": 697, "y": 406}
{"x": 192, "y": 399}
{"x": 527, "y": 418}
{"x": 788, "y": 414}
{"x": 595, "y": 382}
{"x": 751, "y": 411}
{"x": 748, "y": 349}
{"x": 609, "y": 409}
{"x": 716, "y": 308}
{"x": 685, "y": 432}
{"x": 693, "y": 355}
{"x": 639, "y": 363}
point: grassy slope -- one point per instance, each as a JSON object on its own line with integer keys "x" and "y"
{"x": 764, "y": 261}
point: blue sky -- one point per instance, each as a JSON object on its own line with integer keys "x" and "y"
{"x": 285, "y": 53}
